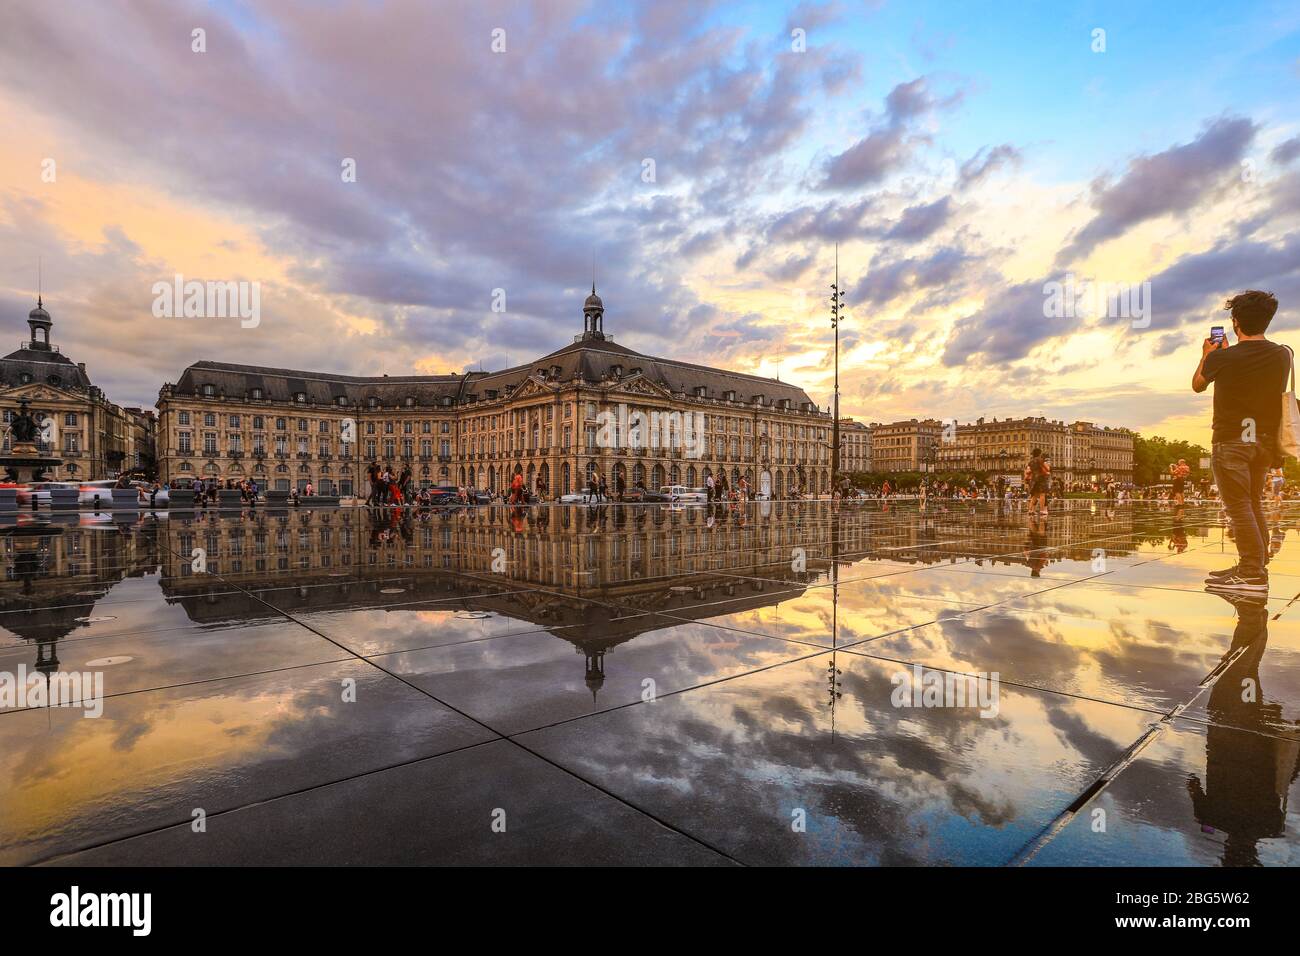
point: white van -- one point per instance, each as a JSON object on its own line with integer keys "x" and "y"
{"x": 683, "y": 494}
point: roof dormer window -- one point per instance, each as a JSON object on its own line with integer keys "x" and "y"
{"x": 372, "y": 402}
{"x": 300, "y": 398}
{"x": 209, "y": 391}
{"x": 256, "y": 394}
{"x": 341, "y": 401}
{"x": 410, "y": 401}
{"x": 25, "y": 378}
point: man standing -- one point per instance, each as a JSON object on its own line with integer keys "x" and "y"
{"x": 1249, "y": 379}
{"x": 1179, "y": 472}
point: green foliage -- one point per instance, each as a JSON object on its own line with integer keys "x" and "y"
{"x": 1153, "y": 456}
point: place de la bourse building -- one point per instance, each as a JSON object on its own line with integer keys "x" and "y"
{"x": 283, "y": 427}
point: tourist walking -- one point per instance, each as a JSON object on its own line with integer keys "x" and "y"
{"x": 1036, "y": 477}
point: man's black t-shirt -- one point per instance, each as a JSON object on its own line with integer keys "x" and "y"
{"x": 1249, "y": 379}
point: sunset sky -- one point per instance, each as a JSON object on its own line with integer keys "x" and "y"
{"x": 962, "y": 154}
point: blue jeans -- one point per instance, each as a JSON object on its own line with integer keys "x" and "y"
{"x": 1240, "y": 469}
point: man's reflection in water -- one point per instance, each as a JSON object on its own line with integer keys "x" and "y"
{"x": 1248, "y": 769}
{"x": 1036, "y": 545}
{"x": 1178, "y": 534}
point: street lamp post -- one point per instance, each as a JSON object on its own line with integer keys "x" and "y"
{"x": 837, "y": 305}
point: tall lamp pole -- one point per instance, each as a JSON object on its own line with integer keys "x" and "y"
{"x": 837, "y": 306}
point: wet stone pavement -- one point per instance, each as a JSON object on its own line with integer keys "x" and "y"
{"x": 787, "y": 683}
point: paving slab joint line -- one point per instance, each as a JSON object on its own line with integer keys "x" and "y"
{"x": 526, "y": 749}
{"x": 1126, "y": 759}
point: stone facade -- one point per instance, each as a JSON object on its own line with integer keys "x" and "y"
{"x": 855, "y": 446}
{"x": 544, "y": 420}
{"x": 95, "y": 438}
{"x": 1077, "y": 451}
{"x": 905, "y": 446}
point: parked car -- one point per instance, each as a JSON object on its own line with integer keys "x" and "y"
{"x": 685, "y": 495}
{"x": 646, "y": 496}
{"x": 39, "y": 491}
{"x": 444, "y": 495}
{"x": 102, "y": 490}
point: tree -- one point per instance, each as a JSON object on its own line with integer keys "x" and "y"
{"x": 1153, "y": 456}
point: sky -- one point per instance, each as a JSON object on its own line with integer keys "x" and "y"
{"x": 703, "y": 159}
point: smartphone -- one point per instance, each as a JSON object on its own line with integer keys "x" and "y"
{"x": 1216, "y": 334}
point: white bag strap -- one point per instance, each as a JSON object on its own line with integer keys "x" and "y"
{"x": 1289, "y": 349}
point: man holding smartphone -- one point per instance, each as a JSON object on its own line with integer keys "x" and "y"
{"x": 1249, "y": 380}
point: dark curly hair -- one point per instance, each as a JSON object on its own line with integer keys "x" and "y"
{"x": 1253, "y": 310}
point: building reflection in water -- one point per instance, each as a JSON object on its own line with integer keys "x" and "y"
{"x": 551, "y": 566}
{"x": 582, "y": 573}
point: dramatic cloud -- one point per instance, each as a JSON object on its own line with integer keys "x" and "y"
{"x": 891, "y": 143}
{"x": 921, "y": 222}
{"x": 1008, "y": 327}
{"x": 1286, "y": 152}
{"x": 701, "y": 161}
{"x": 1173, "y": 181}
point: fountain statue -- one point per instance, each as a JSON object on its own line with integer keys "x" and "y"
{"x": 24, "y": 462}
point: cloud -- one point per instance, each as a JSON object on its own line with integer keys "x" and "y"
{"x": 986, "y": 162}
{"x": 921, "y": 222}
{"x": 1173, "y": 181}
{"x": 891, "y": 143}
{"x": 474, "y": 171}
{"x": 1286, "y": 152}
{"x": 1008, "y": 325}
{"x": 890, "y": 279}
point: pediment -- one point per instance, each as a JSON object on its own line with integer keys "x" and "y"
{"x": 35, "y": 392}
{"x": 640, "y": 385}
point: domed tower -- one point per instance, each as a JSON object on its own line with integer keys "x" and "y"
{"x": 593, "y": 316}
{"x": 40, "y": 323}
